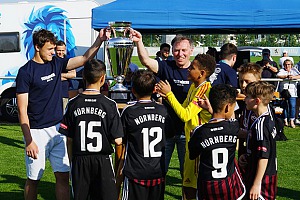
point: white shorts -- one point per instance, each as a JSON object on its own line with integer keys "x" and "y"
{"x": 52, "y": 145}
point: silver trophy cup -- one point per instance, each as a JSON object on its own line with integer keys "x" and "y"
{"x": 119, "y": 50}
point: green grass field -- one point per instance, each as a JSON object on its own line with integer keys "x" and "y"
{"x": 12, "y": 173}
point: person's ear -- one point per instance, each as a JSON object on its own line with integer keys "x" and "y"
{"x": 257, "y": 100}
{"x": 226, "y": 108}
{"x": 37, "y": 49}
{"x": 234, "y": 57}
{"x": 102, "y": 79}
{"x": 202, "y": 74}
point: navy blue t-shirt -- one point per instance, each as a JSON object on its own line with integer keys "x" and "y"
{"x": 42, "y": 82}
{"x": 177, "y": 77}
{"x": 224, "y": 74}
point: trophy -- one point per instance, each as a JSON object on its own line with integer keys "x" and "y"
{"x": 119, "y": 50}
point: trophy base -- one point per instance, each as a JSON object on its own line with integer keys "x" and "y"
{"x": 120, "y": 96}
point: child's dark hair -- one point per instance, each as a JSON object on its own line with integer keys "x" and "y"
{"x": 42, "y": 36}
{"x": 163, "y": 45}
{"x": 262, "y": 90}
{"x": 205, "y": 62}
{"x": 220, "y": 95}
{"x": 60, "y": 43}
{"x": 93, "y": 70}
{"x": 143, "y": 82}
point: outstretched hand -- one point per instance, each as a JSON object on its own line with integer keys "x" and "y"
{"x": 163, "y": 88}
{"x": 135, "y": 35}
{"x": 205, "y": 103}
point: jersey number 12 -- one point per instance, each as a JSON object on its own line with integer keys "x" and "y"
{"x": 149, "y": 147}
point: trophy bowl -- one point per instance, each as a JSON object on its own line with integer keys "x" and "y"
{"x": 119, "y": 51}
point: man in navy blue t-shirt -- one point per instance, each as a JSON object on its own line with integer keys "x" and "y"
{"x": 175, "y": 72}
{"x": 39, "y": 99}
{"x": 224, "y": 73}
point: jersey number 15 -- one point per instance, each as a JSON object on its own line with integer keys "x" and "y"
{"x": 90, "y": 133}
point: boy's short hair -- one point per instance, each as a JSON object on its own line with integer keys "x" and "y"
{"x": 228, "y": 50}
{"x": 93, "y": 70}
{"x": 42, "y": 36}
{"x": 163, "y": 45}
{"x": 262, "y": 90}
{"x": 60, "y": 43}
{"x": 220, "y": 95}
{"x": 205, "y": 62}
{"x": 251, "y": 68}
{"x": 143, "y": 82}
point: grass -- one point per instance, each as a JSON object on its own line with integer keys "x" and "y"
{"x": 12, "y": 174}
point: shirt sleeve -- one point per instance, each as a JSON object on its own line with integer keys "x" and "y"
{"x": 188, "y": 109}
{"x": 66, "y": 125}
{"x": 263, "y": 138}
{"x": 22, "y": 81}
{"x": 194, "y": 144}
{"x": 282, "y": 72}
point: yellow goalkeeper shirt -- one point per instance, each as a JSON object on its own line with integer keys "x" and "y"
{"x": 189, "y": 111}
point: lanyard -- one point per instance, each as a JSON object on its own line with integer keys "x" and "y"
{"x": 246, "y": 120}
{"x": 265, "y": 113}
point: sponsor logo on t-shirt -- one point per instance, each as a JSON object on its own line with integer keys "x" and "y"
{"x": 48, "y": 77}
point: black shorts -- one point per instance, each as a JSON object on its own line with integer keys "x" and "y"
{"x": 135, "y": 191}
{"x": 93, "y": 177}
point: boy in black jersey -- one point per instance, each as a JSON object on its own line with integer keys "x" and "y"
{"x": 92, "y": 122}
{"x": 144, "y": 130}
{"x": 261, "y": 171}
{"x": 215, "y": 142}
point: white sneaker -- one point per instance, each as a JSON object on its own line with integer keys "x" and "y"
{"x": 297, "y": 121}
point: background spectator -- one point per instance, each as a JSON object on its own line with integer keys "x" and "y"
{"x": 61, "y": 52}
{"x": 289, "y": 73}
{"x": 284, "y": 57}
{"x": 224, "y": 73}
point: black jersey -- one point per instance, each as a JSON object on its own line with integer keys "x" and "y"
{"x": 93, "y": 122}
{"x": 261, "y": 144}
{"x": 144, "y": 129}
{"x": 218, "y": 177}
